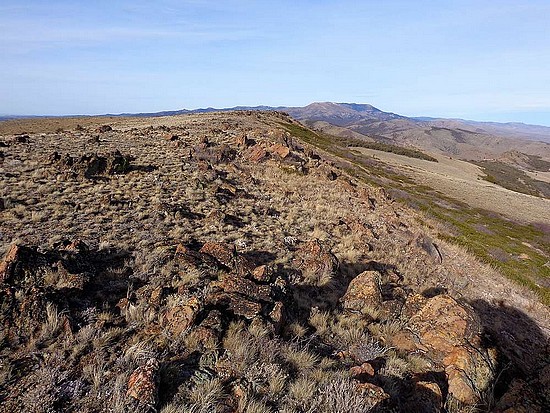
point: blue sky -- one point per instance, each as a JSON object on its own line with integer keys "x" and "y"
{"x": 482, "y": 60}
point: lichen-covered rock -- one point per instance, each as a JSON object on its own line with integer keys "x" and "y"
{"x": 315, "y": 258}
{"x": 143, "y": 384}
{"x": 223, "y": 253}
{"x": 280, "y": 150}
{"x": 182, "y": 317}
{"x": 450, "y": 334}
{"x": 234, "y": 284}
{"x": 363, "y": 290}
{"x": 255, "y": 154}
{"x": 20, "y": 264}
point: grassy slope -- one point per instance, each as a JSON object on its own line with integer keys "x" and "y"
{"x": 514, "y": 179}
{"x": 518, "y": 251}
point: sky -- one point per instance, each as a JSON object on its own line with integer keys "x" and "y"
{"x": 480, "y": 60}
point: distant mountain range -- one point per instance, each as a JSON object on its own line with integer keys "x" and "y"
{"x": 453, "y": 137}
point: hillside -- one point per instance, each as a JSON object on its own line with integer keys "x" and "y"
{"x": 241, "y": 262}
{"x": 456, "y": 138}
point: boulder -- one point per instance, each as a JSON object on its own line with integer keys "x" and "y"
{"x": 212, "y": 154}
{"x": 20, "y": 264}
{"x": 280, "y": 150}
{"x": 519, "y": 398}
{"x": 104, "y": 128}
{"x": 255, "y": 154}
{"x": 223, "y": 253}
{"x": 449, "y": 333}
{"x": 362, "y": 373}
{"x": 143, "y": 384}
{"x": 262, "y": 273}
{"x": 91, "y": 166}
{"x": 233, "y": 284}
{"x": 236, "y": 303}
{"x": 363, "y": 290}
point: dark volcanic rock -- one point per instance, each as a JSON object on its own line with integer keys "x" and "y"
{"x": 93, "y": 166}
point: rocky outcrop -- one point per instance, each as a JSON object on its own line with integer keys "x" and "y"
{"x": 449, "y": 333}
{"x": 92, "y": 166}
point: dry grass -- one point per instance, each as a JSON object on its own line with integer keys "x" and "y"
{"x": 144, "y": 214}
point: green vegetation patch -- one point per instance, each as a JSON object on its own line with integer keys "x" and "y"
{"x": 325, "y": 141}
{"x": 513, "y": 179}
{"x": 538, "y": 164}
{"x": 398, "y": 150}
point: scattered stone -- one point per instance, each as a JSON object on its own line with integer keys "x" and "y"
{"x": 277, "y": 316}
{"x": 363, "y": 372}
{"x": 426, "y": 397}
{"x": 375, "y": 394}
{"x": 262, "y": 273}
{"x": 213, "y": 154}
{"x": 93, "y": 166}
{"x": 22, "y": 139}
{"x": 171, "y": 138}
{"x": 238, "y": 304}
{"x": 223, "y": 253}
{"x": 234, "y": 284}
{"x": 280, "y": 150}
{"x": 181, "y": 317}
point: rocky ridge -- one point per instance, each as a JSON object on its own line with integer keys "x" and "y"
{"x": 291, "y": 286}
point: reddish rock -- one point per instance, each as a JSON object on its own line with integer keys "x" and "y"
{"x": 233, "y": 284}
{"x": 375, "y": 394}
{"x": 187, "y": 255}
{"x": 7, "y": 266}
{"x": 363, "y": 290}
{"x": 427, "y": 397}
{"x": 362, "y": 372}
{"x": 313, "y": 257}
{"x": 180, "y": 318}
{"x": 277, "y": 315}
{"x": 413, "y": 304}
{"x": 280, "y": 150}
{"x": 255, "y": 154}
{"x": 19, "y": 265}
{"x": 156, "y": 296}
{"x": 143, "y": 384}
{"x": 238, "y": 304}
{"x": 262, "y": 273}
{"x": 404, "y": 341}
{"x": 223, "y": 253}
{"x": 242, "y": 140}
{"x": 77, "y": 245}
{"x": 449, "y": 332}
